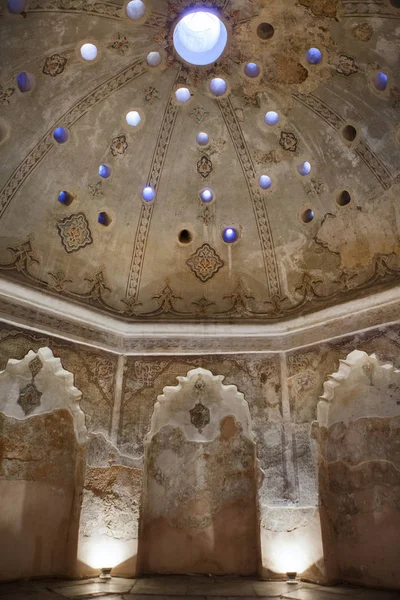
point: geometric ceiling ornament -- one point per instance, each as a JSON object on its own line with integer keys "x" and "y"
{"x": 29, "y": 398}
{"x": 205, "y": 263}
{"x": 74, "y": 232}
{"x": 35, "y": 366}
{"x": 200, "y": 416}
{"x": 204, "y": 166}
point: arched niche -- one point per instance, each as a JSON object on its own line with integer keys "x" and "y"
{"x": 362, "y": 387}
{"x": 42, "y": 454}
{"x": 199, "y": 510}
{"x": 358, "y": 434}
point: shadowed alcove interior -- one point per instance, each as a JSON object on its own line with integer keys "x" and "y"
{"x": 199, "y": 290}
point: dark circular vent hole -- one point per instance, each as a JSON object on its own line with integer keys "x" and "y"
{"x": 104, "y": 219}
{"x": 265, "y": 31}
{"x": 349, "y": 133}
{"x": 185, "y": 236}
{"x": 344, "y": 198}
{"x": 395, "y": 3}
{"x": 308, "y": 216}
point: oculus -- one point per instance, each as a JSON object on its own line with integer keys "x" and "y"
{"x": 89, "y": 52}
{"x": 230, "y": 235}
{"x": 200, "y": 37}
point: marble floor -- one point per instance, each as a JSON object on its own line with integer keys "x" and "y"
{"x": 177, "y": 588}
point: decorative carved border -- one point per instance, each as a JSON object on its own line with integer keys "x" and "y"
{"x": 104, "y": 332}
{"x": 260, "y": 213}
{"x": 72, "y": 116}
{"x": 367, "y": 8}
{"x": 107, "y": 10}
{"x": 146, "y": 212}
{"x": 327, "y": 114}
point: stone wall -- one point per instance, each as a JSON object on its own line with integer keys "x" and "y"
{"x": 42, "y": 454}
{"x": 294, "y": 475}
{"x": 359, "y": 465}
{"x": 200, "y": 481}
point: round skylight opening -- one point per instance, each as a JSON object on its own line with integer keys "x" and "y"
{"x": 200, "y": 37}
{"x": 304, "y": 169}
{"x": 65, "y": 198}
{"x": 182, "y": 95}
{"x": 154, "y": 59}
{"x": 25, "y": 82}
{"x": 104, "y": 171}
{"x": 135, "y": 10}
{"x": 308, "y": 215}
{"x": 271, "y": 118}
{"x": 89, "y": 52}
{"x": 133, "y": 118}
{"x": 252, "y": 70}
{"x": 230, "y": 235}
{"x": 265, "y": 182}
{"x": 61, "y": 135}
{"x": 16, "y": 7}
{"x": 206, "y": 195}
{"x": 314, "y": 56}
{"x": 148, "y": 194}
{"x": 202, "y": 138}
{"x": 218, "y": 86}
{"x": 381, "y": 81}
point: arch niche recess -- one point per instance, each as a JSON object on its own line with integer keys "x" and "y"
{"x": 358, "y": 434}
{"x": 42, "y": 461}
{"x": 199, "y": 509}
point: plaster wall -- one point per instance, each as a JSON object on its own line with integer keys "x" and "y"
{"x": 359, "y": 419}
{"x": 42, "y": 457}
{"x": 200, "y": 481}
{"x": 282, "y": 391}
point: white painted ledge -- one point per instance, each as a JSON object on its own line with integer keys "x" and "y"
{"x": 32, "y": 309}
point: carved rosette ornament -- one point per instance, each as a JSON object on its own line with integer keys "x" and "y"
{"x": 29, "y": 398}
{"x": 205, "y": 263}
{"x": 200, "y": 416}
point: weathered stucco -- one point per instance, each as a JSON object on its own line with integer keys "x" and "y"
{"x": 278, "y": 449}
{"x": 359, "y": 475}
{"x": 200, "y": 481}
{"x": 135, "y": 268}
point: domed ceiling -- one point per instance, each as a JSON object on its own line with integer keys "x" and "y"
{"x": 312, "y": 85}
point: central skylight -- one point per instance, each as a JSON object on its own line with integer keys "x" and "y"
{"x": 200, "y": 37}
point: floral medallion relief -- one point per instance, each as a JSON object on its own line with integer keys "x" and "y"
{"x": 74, "y": 232}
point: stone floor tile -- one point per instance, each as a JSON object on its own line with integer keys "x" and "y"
{"x": 161, "y": 597}
{"x": 176, "y": 586}
{"x": 55, "y": 583}
{"x": 223, "y": 588}
{"x": 31, "y": 595}
{"x": 77, "y": 590}
{"x": 13, "y": 588}
{"x": 366, "y": 594}
{"x": 274, "y": 588}
{"x": 311, "y": 594}
{"x": 337, "y": 593}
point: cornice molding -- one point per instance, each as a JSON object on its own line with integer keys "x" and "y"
{"x": 34, "y": 310}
